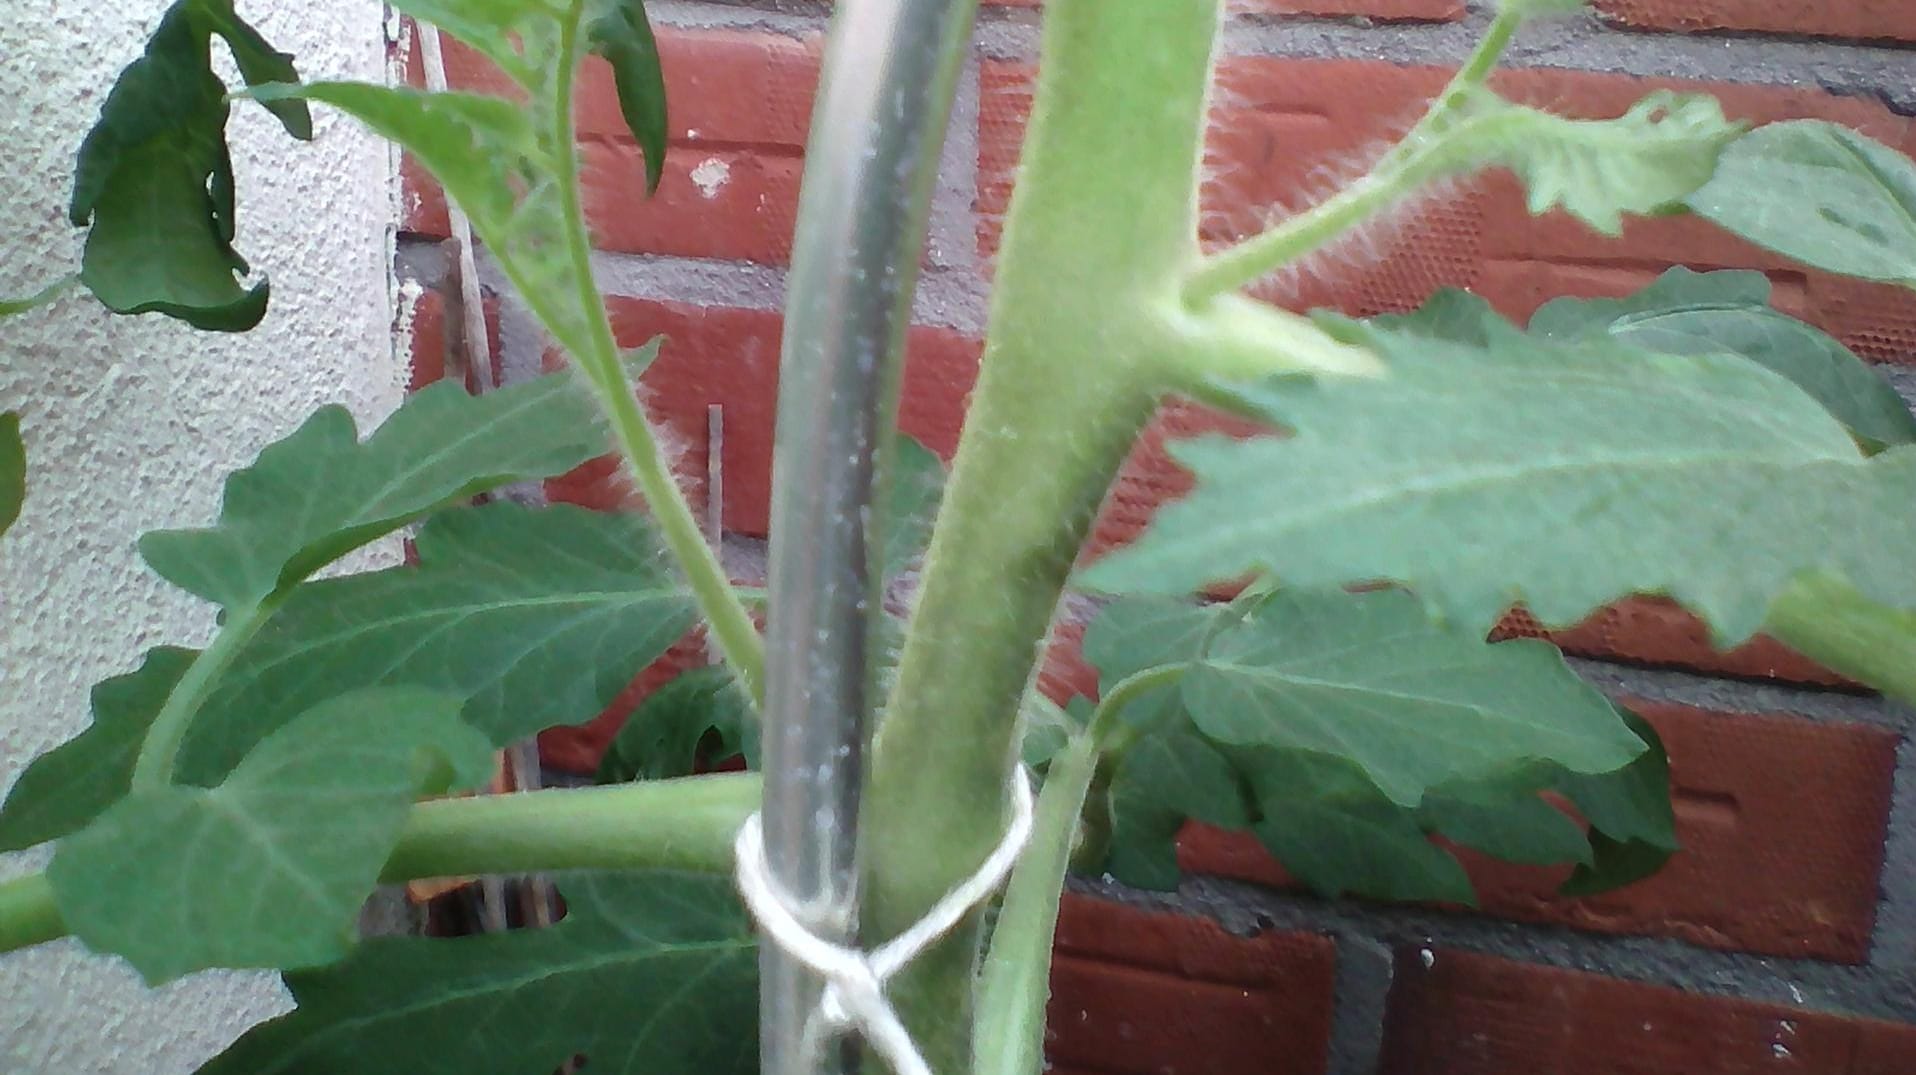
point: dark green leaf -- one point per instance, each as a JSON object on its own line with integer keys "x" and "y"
{"x": 914, "y": 484}
{"x": 71, "y": 784}
{"x": 1048, "y": 727}
{"x": 618, "y": 31}
{"x": 1515, "y": 827}
{"x": 13, "y": 470}
{"x": 647, "y": 973}
{"x": 155, "y": 180}
{"x": 320, "y": 493}
{"x": 669, "y": 733}
{"x": 270, "y": 868}
{"x": 533, "y": 618}
{"x": 1688, "y": 313}
{"x": 1162, "y": 780}
{"x": 1559, "y": 475}
{"x": 1331, "y": 828}
{"x": 1368, "y": 678}
{"x": 1135, "y": 634}
{"x": 1822, "y": 194}
{"x": 1633, "y": 826}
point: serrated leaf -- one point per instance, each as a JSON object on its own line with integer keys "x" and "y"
{"x": 1133, "y": 635}
{"x": 155, "y": 180}
{"x": 269, "y": 868}
{"x": 1644, "y": 162}
{"x": 1515, "y": 827}
{"x": 618, "y": 31}
{"x": 13, "y": 470}
{"x": 1562, "y": 476}
{"x": 666, "y": 735}
{"x": 320, "y": 492}
{"x": 1822, "y": 194}
{"x": 71, "y": 784}
{"x": 1632, "y": 822}
{"x": 1368, "y": 678}
{"x": 646, "y": 973}
{"x": 493, "y": 27}
{"x": 486, "y": 153}
{"x": 1331, "y": 829}
{"x": 1689, "y": 313}
{"x": 1162, "y": 780}
{"x": 532, "y": 617}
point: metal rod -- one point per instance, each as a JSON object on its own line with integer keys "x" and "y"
{"x": 879, "y": 122}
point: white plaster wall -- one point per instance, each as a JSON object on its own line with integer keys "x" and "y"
{"x": 130, "y": 425}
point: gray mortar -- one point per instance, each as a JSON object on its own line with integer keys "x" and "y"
{"x": 954, "y": 294}
{"x": 1582, "y": 43}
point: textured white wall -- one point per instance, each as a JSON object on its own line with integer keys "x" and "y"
{"x": 131, "y": 423}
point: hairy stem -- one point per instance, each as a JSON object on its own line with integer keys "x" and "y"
{"x": 154, "y": 766}
{"x": 1415, "y": 160}
{"x": 685, "y": 824}
{"x": 1102, "y": 224}
{"x": 1008, "y": 1037}
{"x": 731, "y": 624}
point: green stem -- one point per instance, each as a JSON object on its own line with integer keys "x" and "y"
{"x": 685, "y": 824}
{"x": 1008, "y": 1036}
{"x": 9, "y": 307}
{"x": 1415, "y": 160}
{"x": 28, "y": 915}
{"x": 730, "y": 623}
{"x": 154, "y": 766}
{"x": 1101, "y": 227}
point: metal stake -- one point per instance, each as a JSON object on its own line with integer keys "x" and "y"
{"x": 883, "y": 104}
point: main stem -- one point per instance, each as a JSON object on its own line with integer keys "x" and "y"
{"x": 685, "y": 824}
{"x": 1101, "y": 226}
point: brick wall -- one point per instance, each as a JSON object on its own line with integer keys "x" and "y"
{"x": 1783, "y": 938}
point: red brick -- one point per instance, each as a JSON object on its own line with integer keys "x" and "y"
{"x": 1141, "y": 993}
{"x": 1381, "y": 10}
{"x": 1454, "y": 1012}
{"x": 1288, "y": 129}
{"x": 431, "y": 344}
{"x": 729, "y": 356}
{"x": 1857, "y": 19}
{"x": 740, "y": 105}
{"x": 1782, "y": 823}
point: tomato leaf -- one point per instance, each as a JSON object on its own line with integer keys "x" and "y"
{"x": 268, "y": 868}
{"x": 647, "y": 972}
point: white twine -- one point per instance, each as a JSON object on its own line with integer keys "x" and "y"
{"x": 854, "y": 995}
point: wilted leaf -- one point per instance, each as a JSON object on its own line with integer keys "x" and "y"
{"x": 320, "y": 493}
{"x": 1562, "y": 476}
{"x": 155, "y": 180}
{"x": 532, "y": 617}
{"x": 269, "y": 868}
{"x": 1822, "y": 194}
{"x": 1689, "y": 313}
{"x": 71, "y": 784}
{"x": 646, "y": 973}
